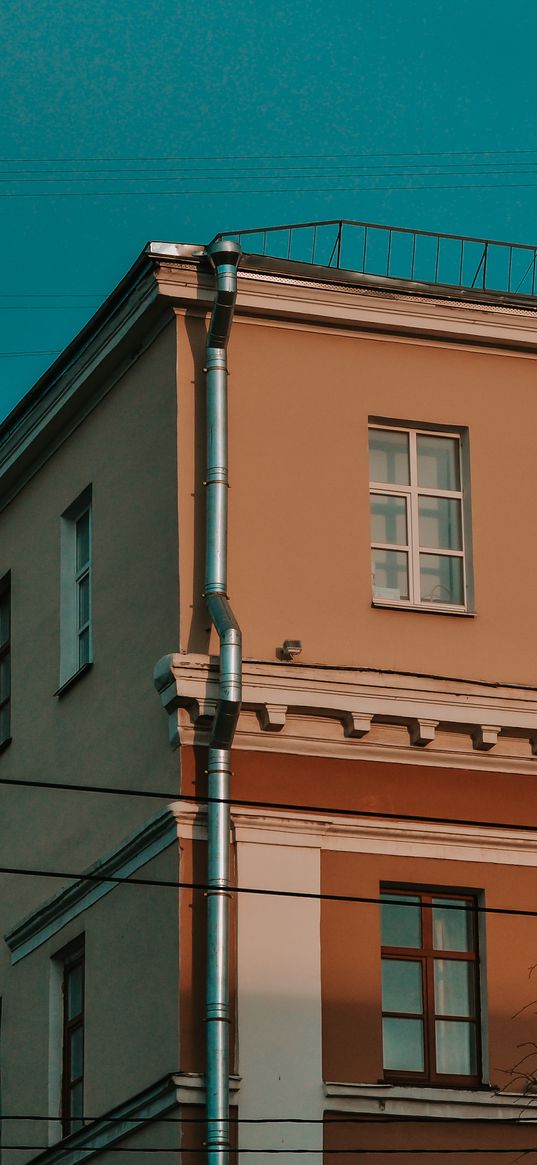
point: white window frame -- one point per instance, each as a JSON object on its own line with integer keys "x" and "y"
{"x": 411, "y": 493}
{"x": 71, "y": 629}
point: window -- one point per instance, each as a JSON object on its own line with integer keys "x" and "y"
{"x": 5, "y": 662}
{"x": 76, "y": 622}
{"x": 430, "y": 996}
{"x": 72, "y": 1104}
{"x": 419, "y": 518}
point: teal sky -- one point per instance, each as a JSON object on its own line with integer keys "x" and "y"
{"x": 121, "y": 122}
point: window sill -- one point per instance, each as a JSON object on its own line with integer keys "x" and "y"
{"x": 421, "y": 1101}
{"x": 77, "y": 675}
{"x": 454, "y": 612}
{"x": 5, "y": 744}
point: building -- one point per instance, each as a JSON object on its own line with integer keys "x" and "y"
{"x": 384, "y": 820}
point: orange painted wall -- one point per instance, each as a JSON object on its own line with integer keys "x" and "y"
{"x": 340, "y": 1136}
{"x": 350, "y": 953}
{"x": 299, "y": 519}
{"x": 277, "y": 778}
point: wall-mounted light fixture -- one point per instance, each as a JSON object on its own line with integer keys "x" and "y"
{"x": 290, "y": 649}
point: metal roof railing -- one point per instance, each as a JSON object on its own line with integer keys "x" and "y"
{"x": 399, "y": 253}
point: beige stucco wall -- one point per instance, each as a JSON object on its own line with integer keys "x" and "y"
{"x": 299, "y": 566}
{"x": 108, "y": 729}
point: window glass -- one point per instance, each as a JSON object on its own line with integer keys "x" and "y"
{"x": 4, "y": 723}
{"x": 453, "y": 987}
{"x": 452, "y": 925}
{"x": 401, "y": 921}
{"x": 430, "y": 1000}
{"x": 402, "y": 1041}
{"x": 401, "y": 986}
{"x": 441, "y": 579}
{"x": 74, "y": 991}
{"x": 5, "y": 678}
{"x": 82, "y": 540}
{"x": 388, "y": 519}
{"x": 455, "y": 1048}
{"x": 4, "y": 620}
{"x": 83, "y": 600}
{"x": 390, "y": 573}
{"x": 438, "y": 462}
{"x": 419, "y": 520}
{"x": 84, "y": 647}
{"x": 439, "y": 523}
{"x": 76, "y": 1053}
{"x": 389, "y": 460}
{"x": 77, "y": 1106}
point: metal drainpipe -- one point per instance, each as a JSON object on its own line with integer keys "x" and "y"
{"x": 224, "y": 256}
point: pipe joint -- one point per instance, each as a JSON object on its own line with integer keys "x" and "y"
{"x": 216, "y": 360}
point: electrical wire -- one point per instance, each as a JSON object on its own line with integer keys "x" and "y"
{"x": 260, "y": 891}
{"x": 333, "y": 1118}
{"x": 252, "y": 190}
{"x": 232, "y": 175}
{"x": 431, "y": 1151}
{"x": 272, "y": 157}
{"x": 286, "y": 806}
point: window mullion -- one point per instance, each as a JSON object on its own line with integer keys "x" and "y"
{"x": 414, "y": 528}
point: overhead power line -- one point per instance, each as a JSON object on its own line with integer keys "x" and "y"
{"x": 199, "y": 175}
{"x": 332, "y": 1118}
{"x": 244, "y": 803}
{"x": 257, "y": 891}
{"x": 249, "y": 190}
{"x": 430, "y": 1151}
{"x": 272, "y": 157}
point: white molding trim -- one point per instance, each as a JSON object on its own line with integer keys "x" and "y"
{"x": 352, "y": 713}
{"x": 443, "y": 1103}
{"x": 461, "y": 843}
{"x": 129, "y": 1118}
{"x": 357, "y": 304}
{"x": 141, "y": 846}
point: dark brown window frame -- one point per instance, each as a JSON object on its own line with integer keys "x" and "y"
{"x": 5, "y": 653}
{"x": 426, "y": 955}
{"x": 71, "y": 959}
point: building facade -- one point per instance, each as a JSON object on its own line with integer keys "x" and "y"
{"x": 383, "y": 818}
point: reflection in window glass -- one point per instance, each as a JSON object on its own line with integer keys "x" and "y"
{"x": 390, "y": 573}
{"x": 439, "y": 523}
{"x": 452, "y": 925}
{"x": 438, "y": 462}
{"x": 402, "y": 1041}
{"x": 401, "y": 921}
{"x": 453, "y": 987}
{"x": 455, "y": 1048}
{"x": 388, "y": 519}
{"x": 441, "y": 579}
{"x": 401, "y": 986}
{"x": 430, "y": 1000}
{"x": 388, "y": 457}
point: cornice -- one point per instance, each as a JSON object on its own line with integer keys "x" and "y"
{"x": 130, "y": 1118}
{"x": 51, "y": 916}
{"x": 363, "y": 309}
{"x": 357, "y": 714}
{"x": 371, "y": 835}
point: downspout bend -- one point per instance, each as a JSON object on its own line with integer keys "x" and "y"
{"x": 224, "y": 256}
